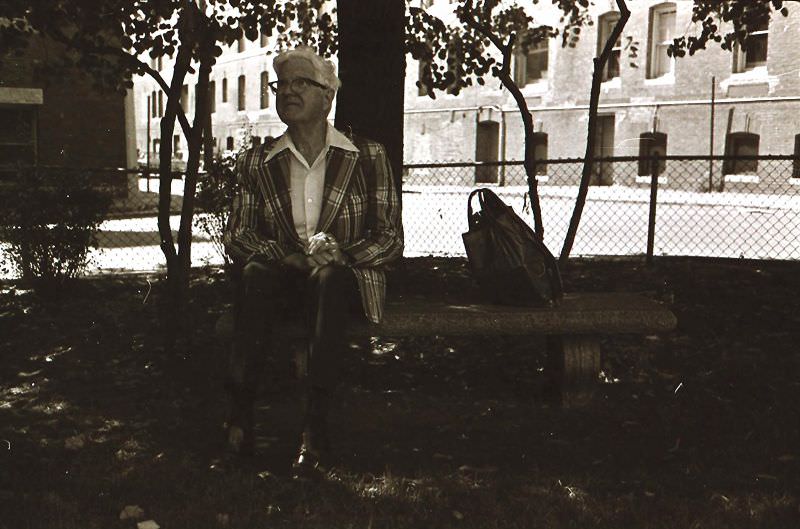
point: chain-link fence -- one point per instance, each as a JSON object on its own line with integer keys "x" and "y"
{"x": 721, "y": 207}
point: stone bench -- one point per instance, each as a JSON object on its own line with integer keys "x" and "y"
{"x": 573, "y": 329}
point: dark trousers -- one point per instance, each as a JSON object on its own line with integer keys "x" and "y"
{"x": 326, "y": 298}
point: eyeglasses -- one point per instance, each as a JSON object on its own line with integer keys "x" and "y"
{"x": 298, "y": 84}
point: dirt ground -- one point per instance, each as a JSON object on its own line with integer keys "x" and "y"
{"x": 695, "y": 428}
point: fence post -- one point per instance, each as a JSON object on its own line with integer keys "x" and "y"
{"x": 651, "y": 224}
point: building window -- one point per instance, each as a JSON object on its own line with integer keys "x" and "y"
{"x": 185, "y": 98}
{"x": 161, "y": 104}
{"x": 176, "y": 146}
{"x": 212, "y": 96}
{"x": 17, "y": 137}
{"x": 240, "y": 44}
{"x": 604, "y": 148}
{"x": 153, "y": 105}
{"x": 229, "y": 143}
{"x": 225, "y": 90}
{"x": 652, "y": 144}
{"x": 754, "y": 51}
{"x": 264, "y": 89}
{"x": 662, "y": 31}
{"x": 605, "y": 27}
{"x": 242, "y": 94}
{"x": 156, "y": 145}
{"x": 740, "y": 144}
{"x": 264, "y": 39}
{"x": 454, "y": 68}
{"x": 796, "y": 161}
{"x": 532, "y": 66}
{"x": 486, "y": 149}
{"x": 422, "y": 74}
{"x": 540, "y": 152}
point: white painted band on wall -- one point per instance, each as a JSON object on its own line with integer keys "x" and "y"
{"x": 21, "y": 96}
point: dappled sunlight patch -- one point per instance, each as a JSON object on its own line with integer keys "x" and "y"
{"x": 391, "y": 486}
{"x": 51, "y": 407}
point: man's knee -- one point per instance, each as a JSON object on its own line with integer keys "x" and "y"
{"x": 258, "y": 276}
{"x": 330, "y": 276}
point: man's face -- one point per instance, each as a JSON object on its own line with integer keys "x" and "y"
{"x": 307, "y": 106}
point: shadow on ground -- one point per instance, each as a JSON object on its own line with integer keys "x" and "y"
{"x": 695, "y": 428}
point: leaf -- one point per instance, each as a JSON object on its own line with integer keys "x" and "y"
{"x": 75, "y": 443}
{"x": 131, "y": 512}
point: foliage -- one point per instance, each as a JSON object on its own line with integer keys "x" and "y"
{"x": 726, "y": 23}
{"x": 216, "y": 189}
{"x": 51, "y": 223}
{"x": 454, "y": 56}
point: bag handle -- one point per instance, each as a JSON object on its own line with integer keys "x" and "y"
{"x": 470, "y": 216}
{"x": 489, "y": 203}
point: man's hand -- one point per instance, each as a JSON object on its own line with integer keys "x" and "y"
{"x": 323, "y": 249}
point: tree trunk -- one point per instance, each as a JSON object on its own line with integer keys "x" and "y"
{"x": 594, "y": 98}
{"x": 372, "y": 67}
{"x": 195, "y": 144}
{"x": 182, "y": 62}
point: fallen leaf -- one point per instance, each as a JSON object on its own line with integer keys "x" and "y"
{"x": 457, "y": 515}
{"x": 131, "y": 512}
{"x": 148, "y": 524}
{"x": 769, "y": 477}
{"x": 75, "y": 443}
{"x": 224, "y": 519}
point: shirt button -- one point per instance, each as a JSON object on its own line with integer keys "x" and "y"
{"x": 310, "y": 201}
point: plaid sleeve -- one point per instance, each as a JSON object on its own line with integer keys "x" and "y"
{"x": 242, "y": 238}
{"x": 383, "y": 240}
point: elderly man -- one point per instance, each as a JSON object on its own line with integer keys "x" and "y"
{"x": 315, "y": 220}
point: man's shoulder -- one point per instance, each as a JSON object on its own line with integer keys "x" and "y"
{"x": 365, "y": 145}
{"x": 258, "y": 151}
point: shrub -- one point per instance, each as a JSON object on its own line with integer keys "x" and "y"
{"x": 215, "y": 191}
{"x": 50, "y": 220}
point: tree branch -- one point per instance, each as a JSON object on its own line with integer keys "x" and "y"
{"x": 583, "y": 190}
{"x": 134, "y": 62}
{"x": 504, "y": 74}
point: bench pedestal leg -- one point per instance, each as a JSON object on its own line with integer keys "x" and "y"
{"x": 574, "y": 365}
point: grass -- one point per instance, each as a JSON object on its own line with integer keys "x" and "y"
{"x": 696, "y": 428}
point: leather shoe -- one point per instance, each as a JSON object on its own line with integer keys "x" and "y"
{"x": 314, "y": 454}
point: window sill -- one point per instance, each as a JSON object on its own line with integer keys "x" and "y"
{"x": 662, "y": 180}
{"x": 666, "y": 79}
{"x": 536, "y": 88}
{"x": 612, "y": 84}
{"x": 742, "y": 178}
{"x": 756, "y": 74}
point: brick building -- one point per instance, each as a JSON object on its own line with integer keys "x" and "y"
{"x": 57, "y": 118}
{"x": 659, "y": 106}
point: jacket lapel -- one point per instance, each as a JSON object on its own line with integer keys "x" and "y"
{"x": 274, "y": 186}
{"x": 338, "y": 173}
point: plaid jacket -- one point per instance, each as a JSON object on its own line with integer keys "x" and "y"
{"x": 360, "y": 208}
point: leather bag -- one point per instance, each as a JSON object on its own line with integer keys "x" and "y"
{"x": 508, "y": 261}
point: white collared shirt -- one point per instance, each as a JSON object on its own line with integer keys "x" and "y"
{"x": 307, "y": 182}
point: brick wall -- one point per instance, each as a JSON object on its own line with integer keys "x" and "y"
{"x": 77, "y": 125}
